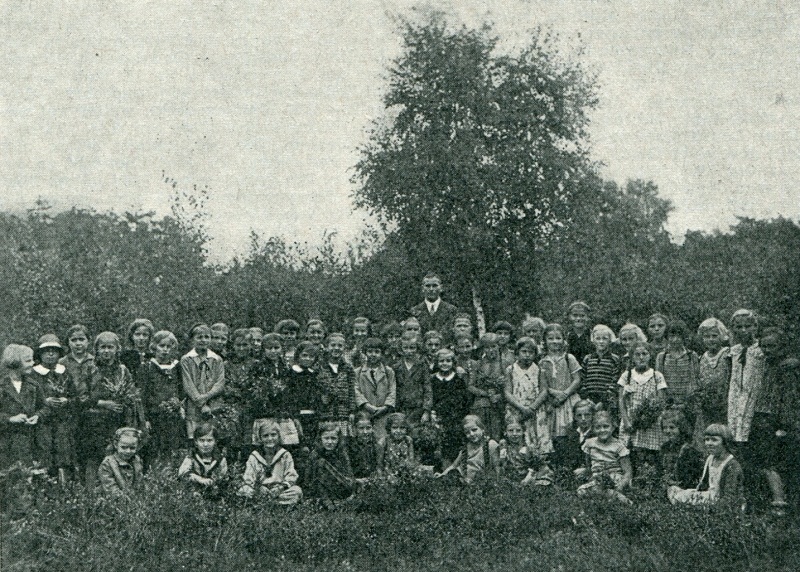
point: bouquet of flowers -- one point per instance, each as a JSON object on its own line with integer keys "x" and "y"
{"x": 226, "y": 421}
{"x": 172, "y": 407}
{"x": 122, "y": 390}
{"x": 646, "y": 415}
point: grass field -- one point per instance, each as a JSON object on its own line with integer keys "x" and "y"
{"x": 406, "y": 526}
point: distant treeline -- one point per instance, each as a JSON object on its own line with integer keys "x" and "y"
{"x": 103, "y": 270}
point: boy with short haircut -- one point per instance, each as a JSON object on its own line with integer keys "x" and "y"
{"x": 579, "y": 337}
{"x": 337, "y": 383}
{"x": 411, "y": 374}
{"x": 391, "y": 334}
{"x": 504, "y": 330}
{"x": 219, "y": 339}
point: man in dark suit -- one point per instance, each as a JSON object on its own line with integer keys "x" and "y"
{"x": 434, "y": 313}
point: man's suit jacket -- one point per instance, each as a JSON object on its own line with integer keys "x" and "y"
{"x": 441, "y": 321}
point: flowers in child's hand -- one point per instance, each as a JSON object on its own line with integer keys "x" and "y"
{"x": 122, "y": 391}
{"x": 172, "y": 406}
{"x": 646, "y": 415}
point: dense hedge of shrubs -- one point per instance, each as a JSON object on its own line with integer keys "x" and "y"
{"x": 103, "y": 270}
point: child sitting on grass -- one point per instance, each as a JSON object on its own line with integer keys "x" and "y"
{"x": 205, "y": 467}
{"x": 270, "y": 473}
{"x": 582, "y": 417}
{"x": 363, "y": 449}
{"x": 480, "y": 458}
{"x": 396, "y": 450}
{"x": 121, "y": 471}
{"x": 519, "y": 462}
{"x": 680, "y": 464}
{"x": 329, "y": 476}
{"x": 608, "y": 461}
{"x": 722, "y": 474}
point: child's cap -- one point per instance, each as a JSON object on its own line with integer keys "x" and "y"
{"x": 50, "y": 341}
{"x": 373, "y": 344}
{"x": 140, "y": 323}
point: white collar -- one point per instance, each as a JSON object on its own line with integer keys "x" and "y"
{"x": 433, "y": 306}
{"x": 209, "y": 354}
{"x": 334, "y": 367}
{"x": 41, "y": 370}
{"x": 165, "y": 367}
{"x": 448, "y": 378}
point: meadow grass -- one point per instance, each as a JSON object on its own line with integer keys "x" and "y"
{"x": 427, "y": 525}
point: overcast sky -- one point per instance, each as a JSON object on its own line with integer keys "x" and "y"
{"x": 266, "y": 102}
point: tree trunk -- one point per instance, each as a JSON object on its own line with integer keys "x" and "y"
{"x": 480, "y": 319}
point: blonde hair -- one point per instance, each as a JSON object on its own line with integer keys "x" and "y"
{"x": 714, "y": 324}
{"x": 14, "y": 355}
{"x": 603, "y": 329}
{"x": 630, "y": 327}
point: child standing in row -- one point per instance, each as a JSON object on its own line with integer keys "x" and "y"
{"x": 578, "y": 341}
{"x": 138, "y": 353}
{"x": 375, "y": 387}
{"x": 22, "y": 404}
{"x": 203, "y": 376}
{"x": 680, "y": 366}
{"x": 715, "y": 374}
{"x": 56, "y": 433}
{"x": 78, "y": 361}
{"x": 642, "y": 393}
{"x": 449, "y": 403}
{"x": 487, "y": 383}
{"x": 289, "y": 331}
{"x": 629, "y": 334}
{"x": 560, "y": 372}
{"x": 411, "y": 377}
{"x": 601, "y": 369}
{"x": 163, "y": 398}
{"x": 657, "y": 332}
{"x": 363, "y": 448}
{"x": 336, "y": 381}
{"x": 526, "y": 395}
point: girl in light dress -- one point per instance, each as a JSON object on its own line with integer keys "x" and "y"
{"x": 526, "y": 397}
{"x": 560, "y": 373}
{"x": 642, "y": 392}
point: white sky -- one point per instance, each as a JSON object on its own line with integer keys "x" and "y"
{"x": 266, "y": 102}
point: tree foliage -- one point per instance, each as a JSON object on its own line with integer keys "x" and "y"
{"x": 482, "y": 154}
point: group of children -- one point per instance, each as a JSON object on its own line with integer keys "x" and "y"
{"x": 307, "y": 413}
